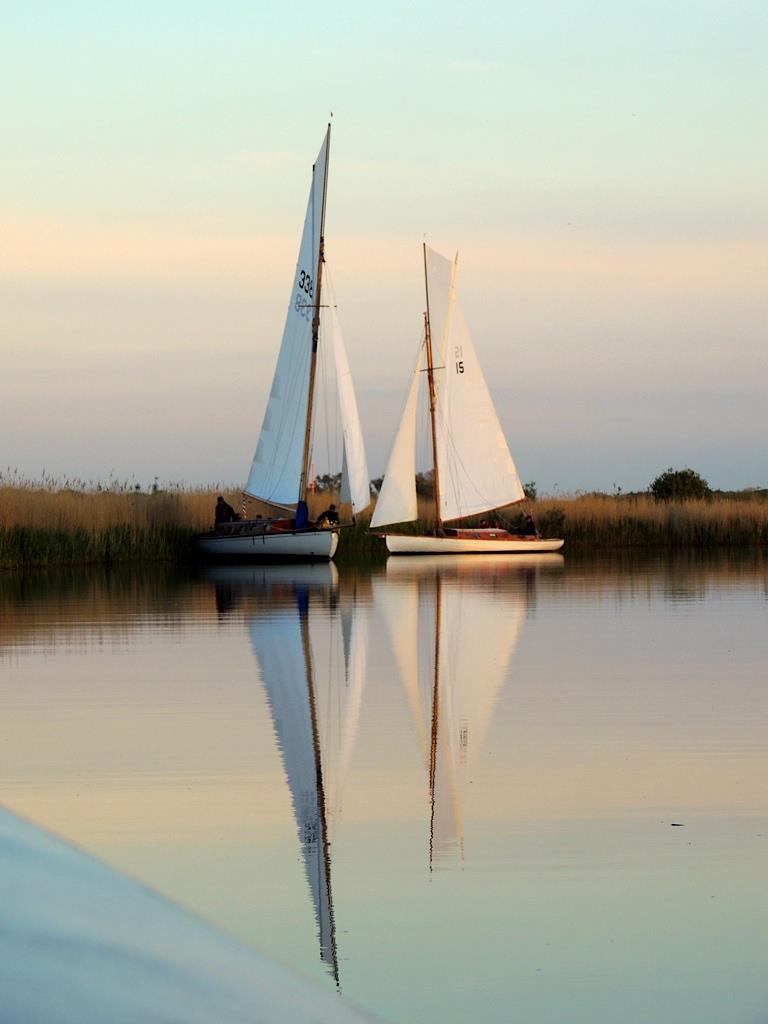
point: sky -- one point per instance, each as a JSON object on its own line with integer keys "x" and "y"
{"x": 599, "y": 167}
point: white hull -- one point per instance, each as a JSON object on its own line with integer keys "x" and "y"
{"x": 304, "y": 546}
{"x": 403, "y": 544}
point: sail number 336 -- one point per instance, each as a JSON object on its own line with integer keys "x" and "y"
{"x": 306, "y": 288}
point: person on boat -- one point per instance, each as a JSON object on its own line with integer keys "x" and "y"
{"x": 529, "y": 526}
{"x": 328, "y": 518}
{"x": 224, "y": 512}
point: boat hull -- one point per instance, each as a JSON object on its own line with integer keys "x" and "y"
{"x": 301, "y": 546}
{"x": 405, "y": 544}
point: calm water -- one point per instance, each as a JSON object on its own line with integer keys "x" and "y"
{"x": 501, "y": 790}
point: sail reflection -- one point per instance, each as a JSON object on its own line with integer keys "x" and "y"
{"x": 311, "y": 647}
{"x": 454, "y": 624}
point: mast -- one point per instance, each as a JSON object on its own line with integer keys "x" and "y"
{"x": 323, "y": 883}
{"x": 432, "y": 400}
{"x": 304, "y": 480}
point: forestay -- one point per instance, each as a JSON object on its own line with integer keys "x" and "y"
{"x": 277, "y": 464}
{"x": 477, "y": 472}
{"x": 397, "y": 499}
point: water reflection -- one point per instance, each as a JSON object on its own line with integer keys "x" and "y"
{"x": 311, "y": 648}
{"x": 547, "y": 719}
{"x": 283, "y": 643}
{"x": 454, "y": 625}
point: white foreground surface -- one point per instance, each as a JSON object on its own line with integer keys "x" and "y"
{"x": 403, "y": 544}
{"x": 81, "y": 943}
{"x": 305, "y": 546}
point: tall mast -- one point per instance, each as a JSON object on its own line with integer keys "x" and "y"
{"x": 304, "y": 480}
{"x": 432, "y": 400}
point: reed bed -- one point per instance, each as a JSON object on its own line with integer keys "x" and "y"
{"x": 73, "y": 522}
{"x": 50, "y": 522}
{"x": 617, "y": 521}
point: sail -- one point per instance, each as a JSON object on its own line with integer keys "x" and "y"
{"x": 281, "y": 646}
{"x": 355, "y": 480}
{"x": 476, "y": 469}
{"x": 439, "y": 274}
{"x": 397, "y": 498}
{"x": 276, "y": 469}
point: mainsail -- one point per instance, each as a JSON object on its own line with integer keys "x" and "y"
{"x": 476, "y": 469}
{"x": 277, "y": 464}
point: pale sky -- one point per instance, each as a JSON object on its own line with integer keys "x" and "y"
{"x": 600, "y": 167}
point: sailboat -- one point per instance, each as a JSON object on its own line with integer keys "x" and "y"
{"x": 313, "y": 665}
{"x": 473, "y": 470}
{"x": 280, "y": 472}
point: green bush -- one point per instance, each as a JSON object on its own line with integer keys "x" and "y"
{"x": 679, "y": 485}
{"x": 552, "y": 523}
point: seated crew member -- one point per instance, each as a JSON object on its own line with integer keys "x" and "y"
{"x": 529, "y": 527}
{"x": 224, "y": 512}
{"x": 328, "y": 518}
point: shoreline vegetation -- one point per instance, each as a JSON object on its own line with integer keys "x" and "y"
{"x": 49, "y": 522}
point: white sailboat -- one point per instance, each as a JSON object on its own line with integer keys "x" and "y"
{"x": 280, "y": 473}
{"x": 473, "y": 469}
{"x": 313, "y": 670}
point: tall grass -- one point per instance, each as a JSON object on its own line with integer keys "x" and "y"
{"x": 606, "y": 521}
{"x": 51, "y": 522}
